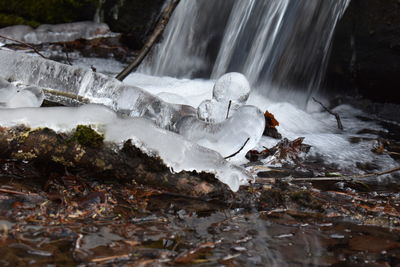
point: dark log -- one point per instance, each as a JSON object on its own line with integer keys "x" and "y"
{"x": 159, "y": 29}
{"x": 99, "y": 159}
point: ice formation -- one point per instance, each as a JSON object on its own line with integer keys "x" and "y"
{"x": 200, "y": 145}
{"x": 134, "y": 101}
{"x": 227, "y": 137}
{"x": 176, "y": 152}
{"x": 47, "y": 33}
{"x": 230, "y": 92}
{"x": 13, "y": 96}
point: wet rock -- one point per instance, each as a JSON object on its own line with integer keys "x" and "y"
{"x": 366, "y": 50}
{"x": 134, "y": 18}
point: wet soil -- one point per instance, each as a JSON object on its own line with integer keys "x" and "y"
{"x": 51, "y": 215}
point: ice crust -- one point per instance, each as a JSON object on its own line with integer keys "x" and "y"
{"x": 131, "y": 100}
{"x": 177, "y": 153}
{"x": 225, "y": 138}
{"x": 65, "y": 32}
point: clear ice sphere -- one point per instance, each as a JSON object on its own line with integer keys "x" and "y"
{"x": 233, "y": 87}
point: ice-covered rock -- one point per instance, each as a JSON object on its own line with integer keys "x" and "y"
{"x": 65, "y": 32}
{"x": 176, "y": 151}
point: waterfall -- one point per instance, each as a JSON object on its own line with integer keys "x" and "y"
{"x": 275, "y": 43}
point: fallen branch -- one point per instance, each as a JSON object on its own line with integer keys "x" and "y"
{"x": 159, "y": 29}
{"x": 332, "y": 179}
{"x": 112, "y": 258}
{"x": 7, "y": 191}
{"x": 25, "y": 44}
{"x": 338, "y": 120}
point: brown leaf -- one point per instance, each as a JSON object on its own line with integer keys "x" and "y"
{"x": 270, "y": 120}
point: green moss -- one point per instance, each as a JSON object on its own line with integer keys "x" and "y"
{"x": 86, "y": 136}
{"x": 35, "y": 12}
{"x": 9, "y": 20}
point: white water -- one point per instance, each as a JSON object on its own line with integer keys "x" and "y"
{"x": 276, "y": 43}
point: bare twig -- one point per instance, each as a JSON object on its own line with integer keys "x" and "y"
{"x": 333, "y": 179}
{"x": 26, "y": 44}
{"x": 159, "y": 29}
{"x": 67, "y": 55}
{"x": 112, "y": 258}
{"x": 237, "y": 152}
{"x": 229, "y": 108}
{"x": 338, "y": 120}
{"x": 2, "y": 190}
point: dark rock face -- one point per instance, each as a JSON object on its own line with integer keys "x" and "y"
{"x": 133, "y": 18}
{"x": 366, "y": 51}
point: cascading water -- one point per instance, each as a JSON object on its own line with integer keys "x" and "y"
{"x": 282, "y": 46}
{"x": 275, "y": 43}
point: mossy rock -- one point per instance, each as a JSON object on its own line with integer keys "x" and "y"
{"x": 35, "y": 12}
{"x": 86, "y": 136}
{"x": 9, "y": 20}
